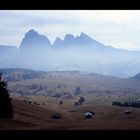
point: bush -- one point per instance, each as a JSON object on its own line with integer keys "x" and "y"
{"x": 81, "y": 100}
{"x": 116, "y": 103}
{"x": 6, "y": 109}
{"x": 77, "y": 91}
{"x": 126, "y": 104}
{"x": 135, "y": 104}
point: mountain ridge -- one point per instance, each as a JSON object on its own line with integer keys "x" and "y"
{"x": 71, "y": 53}
{"x": 32, "y": 37}
{"x": 33, "y": 33}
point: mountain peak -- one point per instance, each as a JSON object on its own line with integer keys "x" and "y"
{"x": 31, "y": 32}
{"x": 69, "y": 37}
{"x": 58, "y": 42}
{"x": 87, "y": 40}
{"x": 58, "y": 39}
{"x": 83, "y": 34}
{"x": 33, "y": 39}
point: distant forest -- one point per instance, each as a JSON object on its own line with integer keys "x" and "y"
{"x": 127, "y": 104}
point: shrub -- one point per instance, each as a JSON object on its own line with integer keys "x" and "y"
{"x": 77, "y": 91}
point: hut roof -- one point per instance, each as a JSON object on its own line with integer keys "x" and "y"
{"x": 88, "y": 113}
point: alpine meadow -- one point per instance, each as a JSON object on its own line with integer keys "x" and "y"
{"x": 69, "y": 70}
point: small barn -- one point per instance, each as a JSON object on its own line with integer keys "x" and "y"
{"x": 88, "y": 115}
{"x": 30, "y": 101}
{"x": 56, "y": 116}
{"x": 127, "y": 112}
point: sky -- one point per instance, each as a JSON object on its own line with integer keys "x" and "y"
{"x": 116, "y": 28}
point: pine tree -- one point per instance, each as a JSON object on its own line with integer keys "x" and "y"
{"x": 6, "y": 109}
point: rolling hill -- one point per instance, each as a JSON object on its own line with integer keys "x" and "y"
{"x": 63, "y": 84}
{"x": 47, "y": 89}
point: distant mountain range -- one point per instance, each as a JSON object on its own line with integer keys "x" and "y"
{"x": 80, "y": 53}
{"x": 34, "y": 40}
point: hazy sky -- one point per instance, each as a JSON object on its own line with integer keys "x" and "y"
{"x": 118, "y": 28}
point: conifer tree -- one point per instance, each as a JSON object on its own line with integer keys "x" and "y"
{"x": 6, "y": 109}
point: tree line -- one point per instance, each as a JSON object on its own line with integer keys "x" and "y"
{"x": 127, "y": 104}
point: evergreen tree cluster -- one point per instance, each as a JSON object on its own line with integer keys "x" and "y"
{"x": 127, "y": 104}
{"x": 6, "y": 109}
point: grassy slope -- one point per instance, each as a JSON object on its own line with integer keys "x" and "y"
{"x": 106, "y": 116}
{"x": 28, "y": 117}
